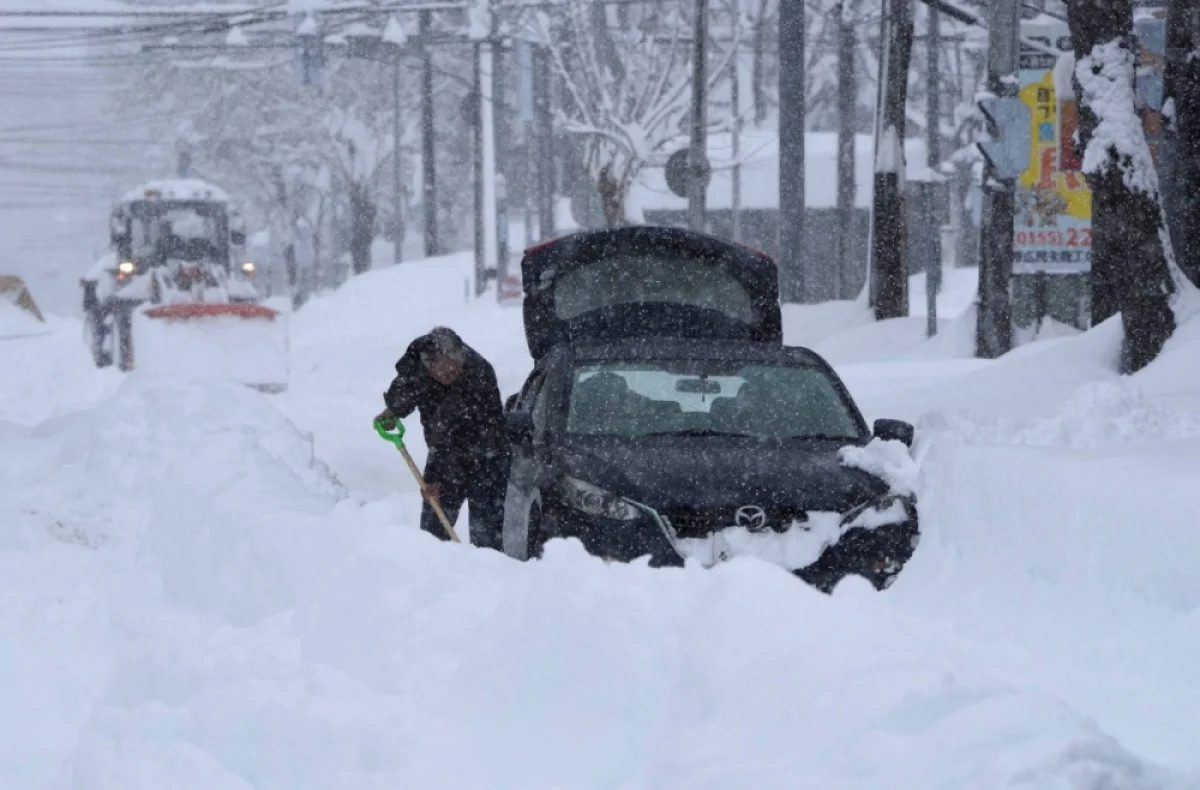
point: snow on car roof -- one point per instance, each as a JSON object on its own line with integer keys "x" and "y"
{"x": 177, "y": 189}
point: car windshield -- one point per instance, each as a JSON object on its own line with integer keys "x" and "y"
{"x": 657, "y": 278}
{"x": 707, "y": 398}
{"x": 187, "y": 231}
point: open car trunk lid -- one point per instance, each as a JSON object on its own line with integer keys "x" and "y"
{"x": 647, "y": 282}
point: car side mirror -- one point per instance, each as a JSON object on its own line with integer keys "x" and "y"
{"x": 520, "y": 427}
{"x": 894, "y": 430}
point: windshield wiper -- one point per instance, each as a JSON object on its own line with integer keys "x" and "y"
{"x": 699, "y": 432}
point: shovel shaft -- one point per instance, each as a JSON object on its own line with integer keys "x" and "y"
{"x": 432, "y": 500}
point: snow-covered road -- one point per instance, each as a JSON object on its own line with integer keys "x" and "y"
{"x": 205, "y": 588}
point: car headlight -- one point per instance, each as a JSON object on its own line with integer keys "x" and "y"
{"x": 126, "y": 268}
{"x": 248, "y": 267}
{"x": 887, "y": 509}
{"x": 596, "y": 501}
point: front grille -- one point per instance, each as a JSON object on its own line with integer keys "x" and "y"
{"x": 700, "y": 522}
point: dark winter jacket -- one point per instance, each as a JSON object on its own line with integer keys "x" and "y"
{"x": 463, "y": 423}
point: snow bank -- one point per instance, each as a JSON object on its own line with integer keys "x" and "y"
{"x": 1078, "y": 568}
{"x": 189, "y": 598}
{"x": 49, "y": 374}
{"x": 1030, "y": 379}
{"x": 1056, "y": 511}
{"x": 163, "y": 498}
{"x": 228, "y": 619}
{"x": 17, "y": 323}
{"x": 846, "y": 332}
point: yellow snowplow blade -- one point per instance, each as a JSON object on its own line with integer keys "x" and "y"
{"x": 13, "y": 289}
{"x": 20, "y": 317}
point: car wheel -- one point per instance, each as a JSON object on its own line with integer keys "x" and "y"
{"x": 876, "y": 555}
{"x": 535, "y": 537}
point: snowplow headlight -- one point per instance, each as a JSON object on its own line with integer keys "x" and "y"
{"x": 126, "y": 268}
{"x": 248, "y": 267}
{"x": 595, "y": 501}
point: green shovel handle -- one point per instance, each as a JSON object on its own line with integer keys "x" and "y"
{"x": 395, "y": 436}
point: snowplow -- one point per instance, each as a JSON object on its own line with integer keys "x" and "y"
{"x": 176, "y": 293}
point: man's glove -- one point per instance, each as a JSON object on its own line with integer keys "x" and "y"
{"x": 387, "y": 419}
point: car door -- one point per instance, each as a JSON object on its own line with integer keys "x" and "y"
{"x": 523, "y": 473}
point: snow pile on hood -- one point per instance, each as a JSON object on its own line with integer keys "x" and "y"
{"x": 889, "y": 460}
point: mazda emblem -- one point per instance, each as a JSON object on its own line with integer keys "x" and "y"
{"x": 751, "y": 517}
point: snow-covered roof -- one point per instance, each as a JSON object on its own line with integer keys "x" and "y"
{"x": 394, "y": 32}
{"x": 759, "y": 154}
{"x": 177, "y": 189}
{"x": 236, "y": 38}
{"x": 361, "y": 30}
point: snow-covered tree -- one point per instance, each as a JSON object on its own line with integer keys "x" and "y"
{"x": 627, "y": 81}
{"x": 1133, "y": 266}
{"x": 1182, "y": 111}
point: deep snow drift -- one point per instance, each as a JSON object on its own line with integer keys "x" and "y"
{"x": 191, "y": 598}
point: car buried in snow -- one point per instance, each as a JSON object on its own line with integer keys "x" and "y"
{"x": 665, "y": 418}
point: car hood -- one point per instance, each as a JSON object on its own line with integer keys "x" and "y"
{"x": 715, "y": 473}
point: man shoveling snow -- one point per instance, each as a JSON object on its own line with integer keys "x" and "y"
{"x": 455, "y": 390}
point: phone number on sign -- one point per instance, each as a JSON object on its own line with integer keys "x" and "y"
{"x": 1071, "y": 237}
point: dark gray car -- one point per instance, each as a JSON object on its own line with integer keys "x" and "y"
{"x": 664, "y": 418}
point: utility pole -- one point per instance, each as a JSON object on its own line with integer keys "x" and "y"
{"x": 397, "y": 175}
{"x": 429, "y": 196}
{"x": 184, "y": 160}
{"x": 481, "y": 22}
{"x": 523, "y": 50}
{"x": 501, "y": 145}
{"x": 792, "y": 202}
{"x": 847, "y": 178}
{"x": 394, "y": 41}
{"x": 889, "y": 241}
{"x": 547, "y": 156}
{"x": 698, "y": 154}
{"x": 487, "y": 156}
{"x": 480, "y": 221}
{"x": 993, "y": 331}
{"x": 735, "y": 95}
{"x": 933, "y": 158}
{"x": 1181, "y": 154}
